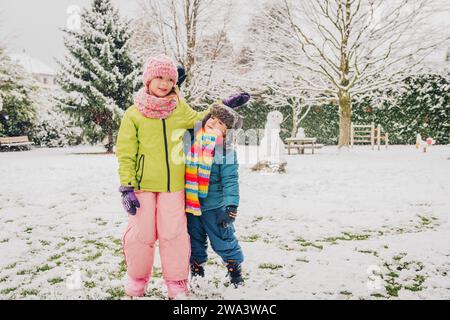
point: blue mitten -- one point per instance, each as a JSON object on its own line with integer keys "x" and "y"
{"x": 226, "y": 216}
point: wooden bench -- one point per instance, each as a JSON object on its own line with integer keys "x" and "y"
{"x": 300, "y": 144}
{"x": 15, "y": 142}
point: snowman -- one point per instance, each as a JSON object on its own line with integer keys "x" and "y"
{"x": 271, "y": 149}
{"x": 300, "y": 133}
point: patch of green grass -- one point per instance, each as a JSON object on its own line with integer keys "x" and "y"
{"x": 55, "y": 281}
{"x": 393, "y": 289}
{"x": 413, "y": 288}
{"x": 98, "y": 244}
{"x": 216, "y": 282}
{"x": 357, "y": 237}
{"x": 93, "y": 257}
{"x": 8, "y": 290}
{"x": 257, "y": 219}
{"x": 9, "y": 221}
{"x": 155, "y": 292}
{"x": 116, "y": 241}
{"x": 347, "y": 236}
{"x": 424, "y": 220}
{"x": 378, "y": 295}
{"x": 89, "y": 284}
{"x": 417, "y": 286}
{"x": 392, "y": 283}
{"x": 369, "y": 252}
{"x": 250, "y": 238}
{"x": 100, "y": 222}
{"x": 43, "y": 268}
{"x": 4, "y": 279}
{"x": 346, "y": 293}
{"x": 286, "y": 247}
{"x": 115, "y": 293}
{"x": 305, "y": 243}
{"x": 31, "y": 292}
{"x": 400, "y": 256}
{"x": 4, "y": 240}
{"x": 28, "y": 230}
{"x": 11, "y": 266}
{"x": 157, "y": 273}
{"x": 393, "y": 274}
{"x": 67, "y": 239}
{"x": 270, "y": 266}
{"x": 55, "y": 257}
{"x": 211, "y": 262}
{"x": 24, "y": 272}
{"x": 302, "y": 260}
{"x": 44, "y": 242}
{"x": 120, "y": 272}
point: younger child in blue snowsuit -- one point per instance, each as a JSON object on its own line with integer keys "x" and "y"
{"x": 219, "y": 203}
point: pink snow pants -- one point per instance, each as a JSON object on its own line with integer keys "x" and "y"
{"x": 161, "y": 217}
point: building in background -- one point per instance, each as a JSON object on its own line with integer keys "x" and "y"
{"x": 44, "y": 74}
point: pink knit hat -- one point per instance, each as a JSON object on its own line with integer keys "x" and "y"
{"x": 159, "y": 66}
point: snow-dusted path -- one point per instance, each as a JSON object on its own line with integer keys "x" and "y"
{"x": 357, "y": 224}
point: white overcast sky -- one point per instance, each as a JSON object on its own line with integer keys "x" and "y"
{"x": 34, "y": 26}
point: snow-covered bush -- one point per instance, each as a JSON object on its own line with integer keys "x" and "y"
{"x": 53, "y": 127}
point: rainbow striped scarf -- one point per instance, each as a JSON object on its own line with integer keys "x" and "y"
{"x": 198, "y": 169}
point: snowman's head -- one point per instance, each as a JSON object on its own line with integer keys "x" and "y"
{"x": 274, "y": 119}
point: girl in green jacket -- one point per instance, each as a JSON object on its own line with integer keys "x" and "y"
{"x": 151, "y": 168}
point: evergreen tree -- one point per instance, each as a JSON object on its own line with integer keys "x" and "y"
{"x": 99, "y": 75}
{"x": 16, "y": 105}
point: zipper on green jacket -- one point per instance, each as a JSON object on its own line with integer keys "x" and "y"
{"x": 142, "y": 158}
{"x": 167, "y": 154}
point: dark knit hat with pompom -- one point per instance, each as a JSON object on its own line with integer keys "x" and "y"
{"x": 226, "y": 111}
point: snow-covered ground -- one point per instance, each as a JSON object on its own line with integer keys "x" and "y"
{"x": 356, "y": 224}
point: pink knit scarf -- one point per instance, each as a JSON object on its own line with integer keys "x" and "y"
{"x": 155, "y": 107}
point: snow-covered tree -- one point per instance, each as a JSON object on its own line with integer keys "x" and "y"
{"x": 342, "y": 51}
{"x": 274, "y": 79}
{"x": 52, "y": 127}
{"x": 194, "y": 32}
{"x": 100, "y": 74}
{"x": 16, "y": 105}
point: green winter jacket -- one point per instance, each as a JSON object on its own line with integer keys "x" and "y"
{"x": 150, "y": 151}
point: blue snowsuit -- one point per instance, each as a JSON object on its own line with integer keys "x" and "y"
{"x": 223, "y": 191}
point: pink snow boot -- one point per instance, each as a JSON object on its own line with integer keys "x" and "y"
{"x": 176, "y": 288}
{"x": 136, "y": 287}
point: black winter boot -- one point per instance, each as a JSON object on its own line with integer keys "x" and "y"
{"x": 197, "y": 269}
{"x": 235, "y": 273}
